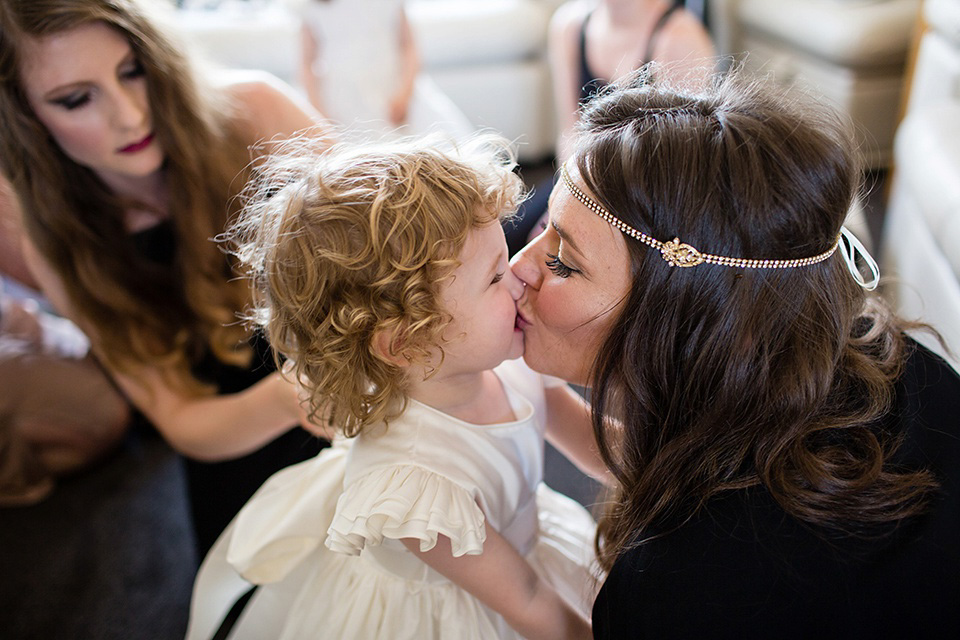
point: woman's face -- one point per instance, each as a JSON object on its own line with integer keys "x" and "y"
{"x": 577, "y": 273}
{"x": 89, "y": 90}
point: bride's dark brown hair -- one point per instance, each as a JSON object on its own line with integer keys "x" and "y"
{"x": 727, "y": 378}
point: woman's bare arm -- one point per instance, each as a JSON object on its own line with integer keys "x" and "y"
{"x": 308, "y": 77}
{"x": 271, "y": 110}
{"x": 409, "y": 68}
{"x": 570, "y": 431}
{"x": 12, "y": 261}
{"x": 563, "y": 56}
{"x": 202, "y": 427}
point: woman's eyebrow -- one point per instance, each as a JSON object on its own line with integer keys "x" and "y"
{"x": 54, "y": 93}
{"x": 567, "y": 238}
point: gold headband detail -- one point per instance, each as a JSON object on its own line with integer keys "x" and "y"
{"x": 678, "y": 254}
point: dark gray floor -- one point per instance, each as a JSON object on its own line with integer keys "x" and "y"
{"x": 108, "y": 555}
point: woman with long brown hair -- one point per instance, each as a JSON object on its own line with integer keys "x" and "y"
{"x": 125, "y": 164}
{"x": 786, "y": 461}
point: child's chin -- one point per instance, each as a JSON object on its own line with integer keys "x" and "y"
{"x": 516, "y": 349}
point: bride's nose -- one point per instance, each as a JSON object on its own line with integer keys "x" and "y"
{"x": 514, "y": 284}
{"x": 526, "y": 264}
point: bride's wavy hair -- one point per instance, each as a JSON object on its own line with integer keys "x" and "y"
{"x": 726, "y": 378}
{"x": 355, "y": 242}
{"x": 138, "y": 311}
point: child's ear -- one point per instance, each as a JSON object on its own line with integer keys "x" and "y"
{"x": 387, "y": 346}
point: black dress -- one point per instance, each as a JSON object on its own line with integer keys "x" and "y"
{"x": 217, "y": 490}
{"x": 590, "y": 82}
{"x": 742, "y": 568}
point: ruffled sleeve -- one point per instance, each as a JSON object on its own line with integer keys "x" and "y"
{"x": 406, "y": 501}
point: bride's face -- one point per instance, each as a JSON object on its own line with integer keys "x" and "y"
{"x": 577, "y": 275}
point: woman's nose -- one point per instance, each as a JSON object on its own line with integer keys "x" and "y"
{"x": 526, "y": 263}
{"x": 130, "y": 108}
{"x": 514, "y": 284}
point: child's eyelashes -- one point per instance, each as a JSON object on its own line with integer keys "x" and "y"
{"x": 558, "y": 268}
{"x": 497, "y": 278}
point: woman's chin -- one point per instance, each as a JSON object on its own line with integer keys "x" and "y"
{"x": 548, "y": 368}
{"x": 535, "y": 363}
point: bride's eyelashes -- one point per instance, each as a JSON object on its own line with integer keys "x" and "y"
{"x": 558, "y": 268}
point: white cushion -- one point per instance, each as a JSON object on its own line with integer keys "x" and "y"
{"x": 478, "y": 31}
{"x": 241, "y": 37}
{"x": 928, "y": 161}
{"x": 847, "y": 33}
{"x": 944, "y": 17}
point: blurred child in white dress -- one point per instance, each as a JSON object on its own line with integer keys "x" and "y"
{"x": 382, "y": 275}
{"x": 360, "y": 67}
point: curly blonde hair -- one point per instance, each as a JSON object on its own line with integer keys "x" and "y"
{"x": 356, "y": 240}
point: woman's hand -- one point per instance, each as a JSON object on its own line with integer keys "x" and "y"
{"x": 398, "y": 106}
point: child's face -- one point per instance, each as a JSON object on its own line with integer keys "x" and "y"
{"x": 482, "y": 298}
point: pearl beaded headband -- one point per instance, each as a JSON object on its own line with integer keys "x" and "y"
{"x": 678, "y": 254}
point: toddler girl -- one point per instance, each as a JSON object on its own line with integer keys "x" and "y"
{"x": 382, "y": 275}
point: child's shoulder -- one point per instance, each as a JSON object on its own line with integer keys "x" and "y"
{"x": 417, "y": 444}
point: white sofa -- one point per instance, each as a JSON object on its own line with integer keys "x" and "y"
{"x": 487, "y": 55}
{"x": 921, "y": 249}
{"x": 852, "y": 51}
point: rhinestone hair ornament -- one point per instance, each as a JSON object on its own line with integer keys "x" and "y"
{"x": 679, "y": 254}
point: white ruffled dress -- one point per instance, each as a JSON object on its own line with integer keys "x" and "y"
{"x": 322, "y": 538}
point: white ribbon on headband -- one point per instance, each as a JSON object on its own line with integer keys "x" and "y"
{"x": 849, "y": 247}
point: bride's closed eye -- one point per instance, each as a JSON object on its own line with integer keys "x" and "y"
{"x": 558, "y": 268}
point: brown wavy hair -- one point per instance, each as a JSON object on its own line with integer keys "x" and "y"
{"x": 357, "y": 240}
{"x": 724, "y": 378}
{"x": 142, "y": 312}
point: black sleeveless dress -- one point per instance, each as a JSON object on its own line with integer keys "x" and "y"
{"x": 217, "y": 490}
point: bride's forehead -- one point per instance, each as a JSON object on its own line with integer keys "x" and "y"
{"x": 581, "y": 226}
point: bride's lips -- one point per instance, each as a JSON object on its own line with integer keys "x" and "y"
{"x": 522, "y": 322}
{"x": 138, "y": 146}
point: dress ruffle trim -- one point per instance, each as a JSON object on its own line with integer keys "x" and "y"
{"x": 406, "y": 502}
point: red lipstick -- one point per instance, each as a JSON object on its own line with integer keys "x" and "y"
{"x": 138, "y": 146}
